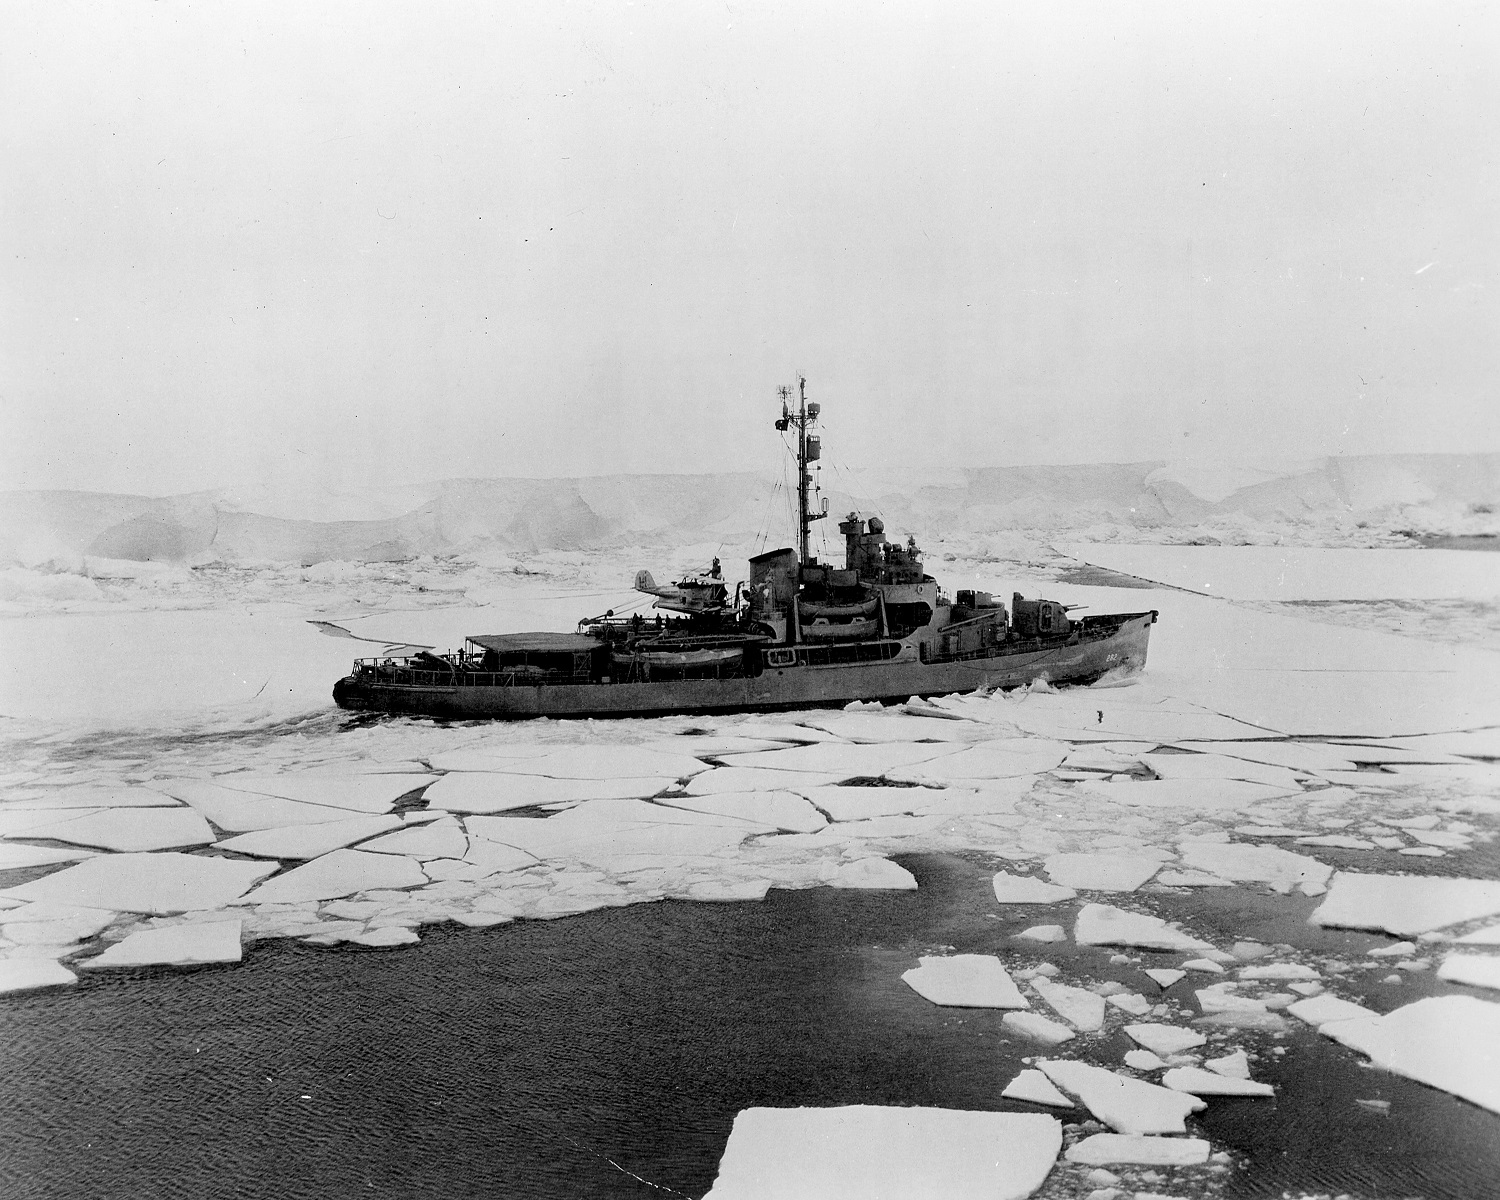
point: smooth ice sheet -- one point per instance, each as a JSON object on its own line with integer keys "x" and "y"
{"x": 1475, "y": 970}
{"x": 147, "y": 883}
{"x": 1446, "y": 1042}
{"x": 863, "y": 1152}
{"x": 1102, "y": 1149}
{"x": 1105, "y": 925}
{"x": 966, "y": 981}
{"x": 339, "y": 873}
{"x": 1405, "y": 904}
{"x": 132, "y": 829}
{"x": 174, "y": 945}
{"x": 1124, "y": 1104}
{"x": 28, "y": 974}
{"x": 1101, "y": 872}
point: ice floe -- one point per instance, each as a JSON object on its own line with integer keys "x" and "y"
{"x": 965, "y": 980}
{"x": 1044, "y": 933}
{"x": 1082, "y": 1009}
{"x": 1476, "y": 970}
{"x": 1405, "y": 904}
{"x": 1210, "y": 1083}
{"x": 860, "y": 1151}
{"x": 1038, "y": 1028}
{"x": 1282, "y": 970}
{"x": 1105, "y": 925}
{"x": 1201, "y": 766}
{"x": 339, "y": 873}
{"x": 1165, "y": 1039}
{"x": 1035, "y": 1088}
{"x": 1124, "y": 1104}
{"x": 493, "y": 792}
{"x": 308, "y": 841}
{"x": 1101, "y": 872}
{"x": 444, "y": 838}
{"x": 15, "y": 855}
{"x": 242, "y": 812}
{"x": 132, "y": 829}
{"x": 174, "y": 945}
{"x": 1257, "y": 864}
{"x": 1319, "y": 1010}
{"x": 757, "y": 779}
{"x": 1132, "y": 1002}
{"x": 778, "y": 810}
{"x": 874, "y": 873}
{"x": 1446, "y": 1042}
{"x": 1102, "y": 1149}
{"x": 1235, "y": 1065}
{"x": 1024, "y": 889}
{"x": 159, "y": 883}
{"x": 29, "y": 974}
{"x": 362, "y": 793}
{"x": 1143, "y": 1060}
{"x": 844, "y": 760}
{"x": 1489, "y": 936}
{"x": 386, "y": 937}
{"x": 1000, "y": 759}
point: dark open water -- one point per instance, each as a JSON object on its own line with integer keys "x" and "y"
{"x": 520, "y": 1060}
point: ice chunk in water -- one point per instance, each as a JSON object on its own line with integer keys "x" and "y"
{"x": 1044, "y": 933}
{"x": 28, "y": 974}
{"x": 1263, "y": 864}
{"x": 1084, "y": 1010}
{"x": 845, "y": 760}
{"x": 757, "y": 779}
{"x": 1405, "y": 904}
{"x": 1279, "y": 971}
{"x": 1035, "y": 1088}
{"x": 1165, "y": 977}
{"x": 1165, "y": 1039}
{"x": 130, "y": 829}
{"x": 863, "y": 1151}
{"x": 308, "y": 841}
{"x": 390, "y": 935}
{"x": 874, "y": 873}
{"x": 1209, "y": 1083}
{"x": 1231, "y": 1066}
{"x": 1126, "y": 1105}
{"x": 1104, "y": 1148}
{"x": 1038, "y": 1028}
{"x": 49, "y": 924}
{"x": 965, "y": 980}
{"x": 1446, "y": 1042}
{"x": 1023, "y": 889}
{"x": 174, "y": 945}
{"x": 1319, "y": 1010}
{"x": 1143, "y": 1060}
{"x": 339, "y": 873}
{"x": 1132, "y": 1002}
{"x": 1488, "y": 936}
{"x": 1476, "y": 970}
{"x": 1105, "y": 925}
{"x": 1101, "y": 872}
{"x": 999, "y": 759}
{"x": 161, "y": 883}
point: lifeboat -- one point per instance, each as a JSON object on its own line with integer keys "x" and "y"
{"x": 837, "y": 612}
{"x": 824, "y": 630}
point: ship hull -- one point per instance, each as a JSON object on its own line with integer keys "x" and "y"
{"x": 801, "y": 686}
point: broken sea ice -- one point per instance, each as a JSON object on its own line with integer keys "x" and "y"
{"x": 860, "y": 1151}
{"x": 1126, "y": 1105}
{"x": 965, "y": 980}
{"x": 1105, "y": 925}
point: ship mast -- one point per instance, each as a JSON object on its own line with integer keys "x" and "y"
{"x": 809, "y": 450}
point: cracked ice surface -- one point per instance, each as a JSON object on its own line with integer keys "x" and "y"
{"x": 1101, "y": 872}
{"x": 338, "y": 873}
{"x": 132, "y": 829}
{"x": 173, "y": 945}
{"x": 1126, "y": 1105}
{"x": 860, "y": 1151}
{"x": 147, "y": 883}
{"x": 308, "y": 841}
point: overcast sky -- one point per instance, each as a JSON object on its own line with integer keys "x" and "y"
{"x": 379, "y": 240}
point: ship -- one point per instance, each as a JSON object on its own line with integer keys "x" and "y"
{"x": 798, "y": 633}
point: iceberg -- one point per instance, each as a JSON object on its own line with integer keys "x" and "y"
{"x": 965, "y": 980}
{"x": 861, "y": 1151}
{"x": 173, "y": 945}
